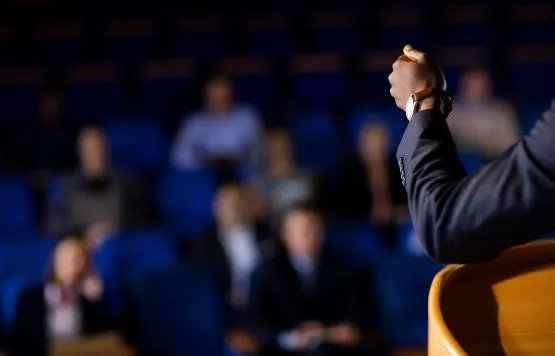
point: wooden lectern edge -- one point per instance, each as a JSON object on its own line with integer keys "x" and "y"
{"x": 435, "y": 316}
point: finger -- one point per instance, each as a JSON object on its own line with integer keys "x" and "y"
{"x": 414, "y": 54}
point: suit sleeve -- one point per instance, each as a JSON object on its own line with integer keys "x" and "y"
{"x": 462, "y": 219}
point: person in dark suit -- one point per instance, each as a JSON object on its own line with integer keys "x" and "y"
{"x": 307, "y": 301}
{"x": 235, "y": 247}
{"x": 461, "y": 218}
{"x": 69, "y": 305}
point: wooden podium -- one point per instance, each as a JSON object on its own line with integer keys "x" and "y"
{"x": 503, "y": 307}
{"x": 108, "y": 344}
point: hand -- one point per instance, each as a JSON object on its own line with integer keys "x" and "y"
{"x": 92, "y": 288}
{"x": 307, "y": 333}
{"x": 412, "y": 72}
{"x": 345, "y": 334}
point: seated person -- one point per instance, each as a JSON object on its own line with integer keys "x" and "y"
{"x": 235, "y": 247}
{"x": 307, "y": 301}
{"x": 282, "y": 183}
{"x": 222, "y": 135}
{"x": 68, "y": 305}
{"x": 481, "y": 122}
{"x": 96, "y": 199}
{"x": 371, "y": 188}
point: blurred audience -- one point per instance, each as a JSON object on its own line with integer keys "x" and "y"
{"x": 307, "y": 301}
{"x": 282, "y": 183}
{"x": 96, "y": 198}
{"x": 372, "y": 186}
{"x": 235, "y": 247}
{"x": 480, "y": 122}
{"x": 68, "y": 305}
{"x": 47, "y": 145}
{"x": 222, "y": 134}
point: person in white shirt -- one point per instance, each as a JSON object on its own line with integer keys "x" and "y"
{"x": 235, "y": 247}
{"x": 68, "y": 305}
{"x": 222, "y": 132}
{"x": 479, "y": 122}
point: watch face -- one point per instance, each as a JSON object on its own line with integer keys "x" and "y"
{"x": 409, "y": 107}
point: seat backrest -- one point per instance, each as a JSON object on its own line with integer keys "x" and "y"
{"x": 185, "y": 201}
{"x": 503, "y": 307}
{"x": 139, "y": 146}
{"x": 128, "y": 256}
{"x": 16, "y": 206}
{"x": 402, "y": 284}
{"x": 179, "y": 312}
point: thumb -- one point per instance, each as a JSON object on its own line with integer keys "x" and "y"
{"x": 414, "y": 54}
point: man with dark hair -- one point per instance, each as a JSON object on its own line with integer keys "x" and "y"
{"x": 307, "y": 301}
{"x": 96, "y": 198}
{"x": 461, "y": 218}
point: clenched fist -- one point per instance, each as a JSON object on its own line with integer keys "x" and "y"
{"x": 412, "y": 72}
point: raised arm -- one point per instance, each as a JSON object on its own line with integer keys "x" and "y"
{"x": 462, "y": 218}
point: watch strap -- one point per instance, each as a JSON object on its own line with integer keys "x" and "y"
{"x": 445, "y": 100}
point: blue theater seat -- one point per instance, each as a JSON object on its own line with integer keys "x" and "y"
{"x": 252, "y": 79}
{"x": 358, "y": 241}
{"x": 401, "y": 25}
{"x": 179, "y": 312}
{"x": 23, "y": 262}
{"x": 163, "y": 83}
{"x": 130, "y": 41}
{"x": 128, "y": 256}
{"x": 184, "y": 200}
{"x": 19, "y": 94}
{"x": 270, "y": 36}
{"x": 530, "y": 112}
{"x": 94, "y": 94}
{"x": 472, "y": 161}
{"x": 320, "y": 80}
{"x": 376, "y": 66}
{"x": 532, "y": 23}
{"x": 335, "y": 32}
{"x": 59, "y": 45}
{"x": 402, "y": 285}
{"x": 466, "y": 25}
{"x": 455, "y": 60}
{"x": 530, "y": 72}
{"x": 316, "y": 141}
{"x": 138, "y": 146}
{"x": 17, "y": 214}
{"x": 201, "y": 38}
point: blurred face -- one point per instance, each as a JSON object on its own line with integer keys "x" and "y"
{"x": 476, "y": 86}
{"x": 228, "y": 209}
{"x": 51, "y": 106}
{"x": 93, "y": 152}
{"x": 217, "y": 95}
{"x": 374, "y": 142}
{"x": 302, "y": 233}
{"x": 69, "y": 261}
{"x": 279, "y": 147}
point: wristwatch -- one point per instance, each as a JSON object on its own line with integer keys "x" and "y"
{"x": 445, "y": 103}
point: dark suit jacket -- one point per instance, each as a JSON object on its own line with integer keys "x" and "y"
{"x": 28, "y": 336}
{"x": 462, "y": 218}
{"x": 209, "y": 251}
{"x": 278, "y": 302}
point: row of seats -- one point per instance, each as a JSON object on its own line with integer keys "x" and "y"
{"x": 315, "y": 80}
{"x": 401, "y": 281}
